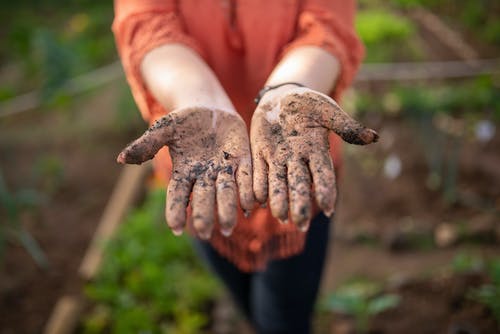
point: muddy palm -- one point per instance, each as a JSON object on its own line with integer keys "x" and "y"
{"x": 290, "y": 150}
{"x": 211, "y": 160}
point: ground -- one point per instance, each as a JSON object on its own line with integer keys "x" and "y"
{"x": 64, "y": 225}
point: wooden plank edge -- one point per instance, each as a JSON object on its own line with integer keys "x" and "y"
{"x": 65, "y": 315}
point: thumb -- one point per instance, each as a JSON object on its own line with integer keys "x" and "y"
{"x": 146, "y": 146}
{"x": 350, "y": 130}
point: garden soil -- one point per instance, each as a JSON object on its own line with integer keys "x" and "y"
{"x": 83, "y": 146}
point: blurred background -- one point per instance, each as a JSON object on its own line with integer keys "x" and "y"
{"x": 83, "y": 246}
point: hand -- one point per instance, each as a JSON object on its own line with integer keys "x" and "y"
{"x": 289, "y": 140}
{"x": 211, "y": 159}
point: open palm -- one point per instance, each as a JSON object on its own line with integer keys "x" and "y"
{"x": 211, "y": 160}
{"x": 290, "y": 150}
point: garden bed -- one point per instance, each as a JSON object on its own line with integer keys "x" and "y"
{"x": 67, "y": 159}
{"x": 431, "y": 186}
{"x": 433, "y": 305}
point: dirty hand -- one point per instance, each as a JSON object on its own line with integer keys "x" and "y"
{"x": 289, "y": 141}
{"x": 211, "y": 159}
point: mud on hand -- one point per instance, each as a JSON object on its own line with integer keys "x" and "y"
{"x": 290, "y": 151}
{"x": 211, "y": 161}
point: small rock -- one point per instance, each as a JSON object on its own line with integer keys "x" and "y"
{"x": 445, "y": 235}
{"x": 485, "y": 131}
{"x": 392, "y": 167}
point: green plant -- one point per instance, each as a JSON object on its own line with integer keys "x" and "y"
{"x": 444, "y": 118}
{"x": 361, "y": 299}
{"x": 150, "y": 281}
{"x": 49, "y": 46}
{"x": 478, "y": 16}
{"x": 383, "y": 33}
{"x": 489, "y": 294}
{"x": 12, "y": 205}
{"x": 465, "y": 262}
{"x": 375, "y": 26}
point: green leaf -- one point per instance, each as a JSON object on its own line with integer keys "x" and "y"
{"x": 382, "y": 303}
{"x": 466, "y": 262}
{"x": 147, "y": 268}
{"x": 31, "y": 245}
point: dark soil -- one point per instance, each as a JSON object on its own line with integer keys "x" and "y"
{"x": 375, "y": 207}
{"x": 371, "y": 207}
{"x": 385, "y": 230}
{"x": 438, "y": 305}
{"x": 85, "y": 146}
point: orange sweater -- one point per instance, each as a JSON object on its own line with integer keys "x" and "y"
{"x": 242, "y": 41}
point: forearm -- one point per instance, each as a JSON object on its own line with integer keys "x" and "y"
{"x": 178, "y": 77}
{"x": 311, "y": 66}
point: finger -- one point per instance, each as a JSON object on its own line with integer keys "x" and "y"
{"x": 145, "y": 147}
{"x": 244, "y": 180}
{"x": 260, "y": 184}
{"x": 350, "y": 130}
{"x": 323, "y": 176}
{"x": 179, "y": 189}
{"x": 299, "y": 185}
{"x": 278, "y": 197}
{"x": 226, "y": 201}
{"x": 203, "y": 207}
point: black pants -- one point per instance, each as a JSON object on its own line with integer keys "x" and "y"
{"x": 281, "y": 298}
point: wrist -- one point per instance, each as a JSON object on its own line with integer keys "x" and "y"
{"x": 273, "y": 96}
{"x": 310, "y": 65}
{"x": 178, "y": 78}
{"x": 203, "y": 96}
{"x": 276, "y": 87}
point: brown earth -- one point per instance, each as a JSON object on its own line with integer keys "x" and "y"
{"x": 435, "y": 305}
{"x": 84, "y": 143}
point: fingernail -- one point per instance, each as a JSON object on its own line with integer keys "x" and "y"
{"x": 121, "y": 158}
{"x": 329, "y": 213}
{"x": 205, "y": 235}
{"x": 227, "y": 231}
{"x": 303, "y": 227}
{"x": 375, "y": 135}
{"x": 283, "y": 222}
{"x": 369, "y": 136}
{"x": 177, "y": 231}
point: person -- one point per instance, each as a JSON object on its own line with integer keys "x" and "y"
{"x": 194, "y": 68}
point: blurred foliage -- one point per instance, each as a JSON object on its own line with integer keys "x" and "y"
{"x": 479, "y": 16}
{"x": 444, "y": 116}
{"x": 383, "y": 33}
{"x": 465, "y": 262}
{"x": 127, "y": 116}
{"x": 375, "y": 26}
{"x": 53, "y": 41}
{"x": 150, "y": 281}
{"x": 474, "y": 99}
{"x": 489, "y": 294}
{"x": 80, "y": 25}
{"x": 361, "y": 299}
{"x": 48, "y": 173}
{"x": 12, "y": 205}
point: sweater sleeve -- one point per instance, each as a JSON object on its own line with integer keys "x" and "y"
{"x": 330, "y": 25}
{"x": 139, "y": 27}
